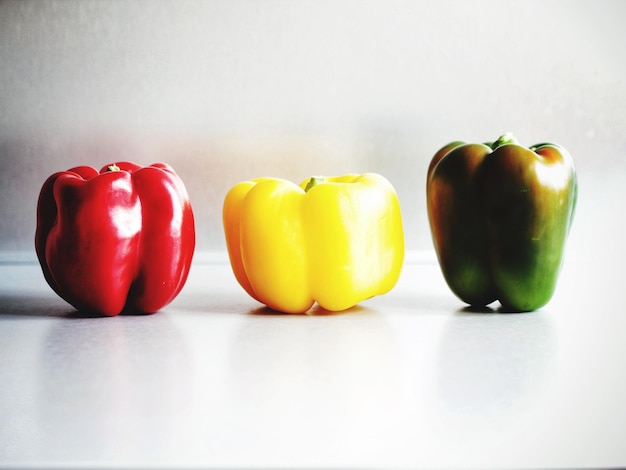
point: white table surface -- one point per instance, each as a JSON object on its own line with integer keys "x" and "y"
{"x": 409, "y": 379}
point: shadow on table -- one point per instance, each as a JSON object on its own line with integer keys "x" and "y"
{"x": 315, "y": 310}
{"x": 28, "y": 305}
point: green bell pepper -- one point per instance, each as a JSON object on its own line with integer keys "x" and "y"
{"x": 500, "y": 215}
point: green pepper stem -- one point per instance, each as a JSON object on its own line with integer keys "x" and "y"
{"x": 314, "y": 181}
{"x": 113, "y": 167}
{"x": 504, "y": 139}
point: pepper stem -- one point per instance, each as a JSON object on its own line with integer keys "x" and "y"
{"x": 113, "y": 167}
{"x": 314, "y": 181}
{"x": 504, "y": 139}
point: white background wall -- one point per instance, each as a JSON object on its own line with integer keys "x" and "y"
{"x": 231, "y": 90}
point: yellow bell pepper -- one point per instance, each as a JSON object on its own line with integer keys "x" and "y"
{"x": 336, "y": 240}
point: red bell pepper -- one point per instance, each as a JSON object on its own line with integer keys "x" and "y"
{"x": 121, "y": 239}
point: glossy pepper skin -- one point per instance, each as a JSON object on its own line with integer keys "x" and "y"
{"x": 336, "y": 241}
{"x": 500, "y": 215}
{"x": 119, "y": 239}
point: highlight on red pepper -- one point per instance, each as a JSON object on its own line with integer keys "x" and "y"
{"x": 500, "y": 214}
{"x": 118, "y": 239}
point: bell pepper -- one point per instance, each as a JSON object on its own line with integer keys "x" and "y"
{"x": 500, "y": 215}
{"x": 119, "y": 239}
{"x": 336, "y": 241}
